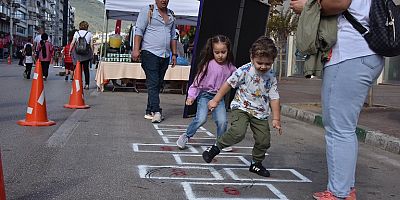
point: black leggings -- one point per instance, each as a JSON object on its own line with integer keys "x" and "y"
{"x": 45, "y": 68}
{"x": 28, "y": 69}
{"x": 85, "y": 67}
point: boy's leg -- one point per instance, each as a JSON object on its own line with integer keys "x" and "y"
{"x": 219, "y": 116}
{"x": 262, "y": 137}
{"x": 234, "y": 135}
{"x": 237, "y": 131}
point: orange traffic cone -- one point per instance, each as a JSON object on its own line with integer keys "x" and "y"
{"x": 2, "y": 189}
{"x": 9, "y": 60}
{"x": 36, "y": 114}
{"x": 76, "y": 98}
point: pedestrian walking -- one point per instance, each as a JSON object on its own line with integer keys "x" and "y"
{"x": 215, "y": 66}
{"x": 347, "y": 77}
{"x": 45, "y": 49}
{"x": 83, "y": 45}
{"x": 256, "y": 94}
{"x": 155, "y": 31}
{"x": 37, "y": 40}
{"x": 28, "y": 60}
{"x": 68, "y": 62}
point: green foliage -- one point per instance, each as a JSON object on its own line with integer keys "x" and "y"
{"x": 281, "y": 23}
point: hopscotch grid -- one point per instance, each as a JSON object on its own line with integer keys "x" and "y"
{"x": 233, "y": 153}
{"x": 302, "y": 179}
{"x": 135, "y": 147}
{"x": 143, "y": 169}
{"x": 191, "y": 196}
{"x": 167, "y": 141}
{"x": 179, "y": 161}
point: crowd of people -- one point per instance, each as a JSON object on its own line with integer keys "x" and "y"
{"x": 43, "y": 50}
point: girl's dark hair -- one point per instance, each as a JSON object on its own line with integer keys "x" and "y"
{"x": 43, "y": 44}
{"x": 263, "y": 47}
{"x": 28, "y": 50}
{"x": 207, "y": 54}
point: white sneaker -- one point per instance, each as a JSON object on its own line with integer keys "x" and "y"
{"x": 148, "y": 116}
{"x": 227, "y": 149}
{"x": 182, "y": 140}
{"x": 156, "y": 117}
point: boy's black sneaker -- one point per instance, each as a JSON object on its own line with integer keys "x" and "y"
{"x": 259, "y": 169}
{"x": 210, "y": 153}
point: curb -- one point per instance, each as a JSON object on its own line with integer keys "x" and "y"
{"x": 364, "y": 134}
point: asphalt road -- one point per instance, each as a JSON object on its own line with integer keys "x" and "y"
{"x": 110, "y": 152}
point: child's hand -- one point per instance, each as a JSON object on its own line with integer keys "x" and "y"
{"x": 212, "y": 104}
{"x": 189, "y": 101}
{"x": 277, "y": 124}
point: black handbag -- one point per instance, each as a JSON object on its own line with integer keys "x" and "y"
{"x": 383, "y": 36}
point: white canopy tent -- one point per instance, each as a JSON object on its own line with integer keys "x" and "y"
{"x": 186, "y": 11}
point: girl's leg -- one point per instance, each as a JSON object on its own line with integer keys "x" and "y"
{"x": 28, "y": 69}
{"x": 85, "y": 66}
{"x": 219, "y": 116}
{"x": 201, "y": 115}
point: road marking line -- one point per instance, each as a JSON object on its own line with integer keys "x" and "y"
{"x": 178, "y": 159}
{"x": 302, "y": 179}
{"x": 61, "y": 135}
{"x": 191, "y": 196}
{"x": 135, "y": 147}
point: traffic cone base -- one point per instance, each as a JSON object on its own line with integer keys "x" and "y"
{"x": 76, "y": 106}
{"x": 25, "y": 123}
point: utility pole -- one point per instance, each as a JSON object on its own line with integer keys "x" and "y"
{"x": 65, "y": 21}
{"x": 11, "y": 32}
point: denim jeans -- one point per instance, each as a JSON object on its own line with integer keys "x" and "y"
{"x": 344, "y": 90}
{"x": 218, "y": 114}
{"x": 154, "y": 67}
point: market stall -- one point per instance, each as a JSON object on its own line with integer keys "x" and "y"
{"x": 117, "y": 64}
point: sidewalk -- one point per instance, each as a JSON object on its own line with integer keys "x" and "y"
{"x": 378, "y": 125}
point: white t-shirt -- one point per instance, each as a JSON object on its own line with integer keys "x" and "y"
{"x": 88, "y": 36}
{"x": 350, "y": 43}
{"x": 37, "y": 39}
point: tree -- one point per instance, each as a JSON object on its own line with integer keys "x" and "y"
{"x": 281, "y": 23}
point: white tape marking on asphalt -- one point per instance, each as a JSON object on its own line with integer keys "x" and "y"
{"x": 234, "y": 151}
{"x": 178, "y": 159}
{"x": 35, "y": 76}
{"x": 187, "y": 187}
{"x": 62, "y": 134}
{"x": 77, "y": 85}
{"x": 302, "y": 179}
{"x": 41, "y": 98}
{"x": 169, "y": 148}
{"x": 29, "y": 110}
{"x": 144, "y": 169}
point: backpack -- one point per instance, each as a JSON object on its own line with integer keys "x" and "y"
{"x": 383, "y": 36}
{"x": 82, "y": 47}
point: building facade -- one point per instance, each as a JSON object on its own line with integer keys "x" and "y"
{"x": 26, "y": 16}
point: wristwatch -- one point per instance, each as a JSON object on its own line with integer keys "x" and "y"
{"x": 174, "y": 54}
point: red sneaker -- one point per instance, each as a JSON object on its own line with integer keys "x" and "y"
{"x": 326, "y": 195}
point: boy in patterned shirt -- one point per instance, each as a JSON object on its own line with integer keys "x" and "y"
{"x": 256, "y": 95}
